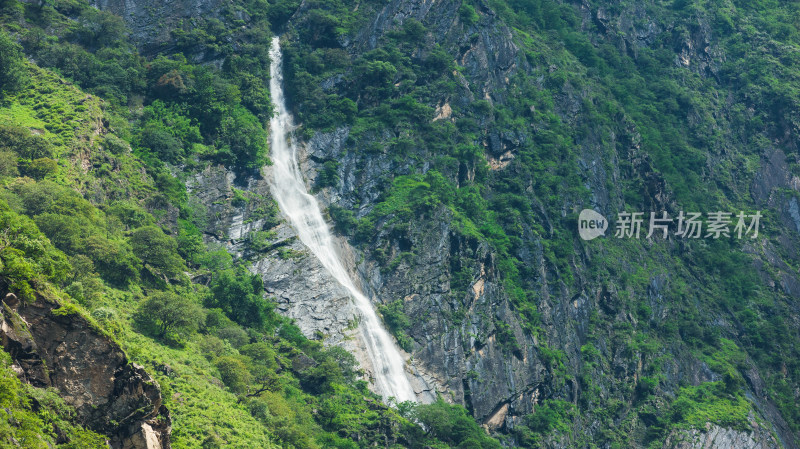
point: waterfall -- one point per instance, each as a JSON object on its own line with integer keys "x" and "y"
{"x": 304, "y": 214}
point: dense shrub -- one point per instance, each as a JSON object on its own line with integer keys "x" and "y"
{"x": 158, "y": 250}
{"x": 238, "y": 293}
{"x": 169, "y": 314}
{"x": 12, "y": 68}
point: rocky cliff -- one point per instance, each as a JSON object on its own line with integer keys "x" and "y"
{"x": 151, "y": 23}
{"x": 55, "y": 347}
{"x": 717, "y": 437}
{"x": 619, "y": 331}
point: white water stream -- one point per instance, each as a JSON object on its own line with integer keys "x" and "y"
{"x": 304, "y": 214}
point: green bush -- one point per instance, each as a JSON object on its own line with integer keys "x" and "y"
{"x": 234, "y": 373}
{"x": 329, "y": 175}
{"x": 8, "y": 164}
{"x": 238, "y": 293}
{"x": 344, "y": 220}
{"x": 39, "y": 168}
{"x": 28, "y": 258}
{"x": 158, "y": 250}
{"x": 20, "y": 141}
{"x": 12, "y": 67}
{"x": 167, "y": 314}
{"x": 235, "y": 335}
{"x": 242, "y": 140}
{"x": 468, "y": 14}
{"x": 114, "y": 259}
{"x": 452, "y": 425}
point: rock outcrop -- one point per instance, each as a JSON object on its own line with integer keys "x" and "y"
{"x": 152, "y": 21}
{"x": 716, "y": 437}
{"x": 56, "y": 347}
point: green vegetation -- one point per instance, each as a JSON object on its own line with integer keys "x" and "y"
{"x": 397, "y": 322}
{"x": 12, "y": 70}
{"x": 451, "y": 425}
{"x": 28, "y": 259}
{"x": 711, "y": 402}
{"x": 93, "y": 213}
{"x": 590, "y": 96}
{"x": 169, "y": 313}
{"x": 552, "y": 415}
{"x": 97, "y": 141}
{"x": 191, "y": 111}
{"x": 275, "y": 386}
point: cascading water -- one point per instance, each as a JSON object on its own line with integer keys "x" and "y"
{"x": 304, "y": 214}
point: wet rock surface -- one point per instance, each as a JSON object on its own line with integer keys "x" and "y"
{"x": 301, "y": 287}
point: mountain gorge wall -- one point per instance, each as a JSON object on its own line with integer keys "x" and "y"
{"x": 469, "y": 342}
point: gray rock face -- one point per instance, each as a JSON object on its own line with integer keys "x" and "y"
{"x": 299, "y": 283}
{"x": 320, "y": 306}
{"x": 485, "y": 49}
{"x": 304, "y": 291}
{"x": 111, "y": 395}
{"x": 230, "y": 218}
{"x": 634, "y": 27}
{"x": 151, "y": 21}
{"x": 485, "y": 360}
{"x": 301, "y": 286}
{"x": 715, "y": 437}
{"x": 483, "y": 357}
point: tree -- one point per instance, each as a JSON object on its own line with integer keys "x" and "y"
{"x": 158, "y": 138}
{"x": 262, "y": 366}
{"x": 130, "y": 213}
{"x": 21, "y": 141}
{"x": 8, "y": 163}
{"x": 168, "y": 131}
{"x": 329, "y": 175}
{"x": 157, "y": 249}
{"x": 234, "y": 334}
{"x": 451, "y": 424}
{"x": 26, "y": 255}
{"x": 12, "y": 67}
{"x": 238, "y": 293}
{"x": 243, "y": 139}
{"x": 468, "y": 14}
{"x": 234, "y": 373}
{"x": 113, "y": 258}
{"x": 347, "y": 362}
{"x": 166, "y": 313}
{"x": 190, "y": 240}
{"x": 41, "y": 167}
{"x": 320, "y": 378}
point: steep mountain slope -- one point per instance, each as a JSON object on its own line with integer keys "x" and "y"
{"x": 103, "y": 262}
{"x": 455, "y": 143}
{"x": 657, "y": 107}
{"x": 517, "y": 117}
